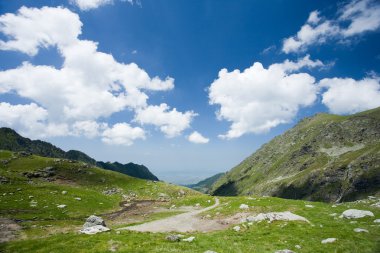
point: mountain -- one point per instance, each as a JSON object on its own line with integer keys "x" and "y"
{"x": 323, "y": 158}
{"x": 11, "y": 140}
{"x": 132, "y": 169}
{"x": 205, "y": 184}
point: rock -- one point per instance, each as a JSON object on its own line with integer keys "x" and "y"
{"x": 64, "y": 192}
{"x": 61, "y": 206}
{"x": 110, "y": 191}
{"x": 78, "y": 199}
{"x": 94, "y": 221}
{"x": 4, "y": 180}
{"x": 243, "y": 206}
{"x": 355, "y": 214}
{"x": 360, "y": 230}
{"x": 210, "y": 251}
{"x": 236, "y": 228}
{"x": 94, "y": 229}
{"x": 298, "y": 246}
{"x": 328, "y": 240}
{"x": 284, "y": 251}
{"x": 376, "y": 204}
{"x": 377, "y": 221}
{"x": 284, "y": 216}
{"x": 190, "y": 239}
{"x": 173, "y": 238}
{"x": 197, "y": 205}
{"x": 181, "y": 193}
{"x": 309, "y": 206}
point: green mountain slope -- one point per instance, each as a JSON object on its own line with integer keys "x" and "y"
{"x": 131, "y": 169}
{"x": 11, "y": 140}
{"x": 205, "y": 184}
{"x": 325, "y": 157}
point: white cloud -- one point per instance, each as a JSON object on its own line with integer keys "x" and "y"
{"x": 34, "y": 28}
{"x": 259, "y": 99}
{"x": 86, "y": 5}
{"x": 346, "y": 95}
{"x": 170, "y": 122}
{"x": 122, "y": 134}
{"x": 196, "y": 137}
{"x": 355, "y": 18}
{"x": 90, "y": 85}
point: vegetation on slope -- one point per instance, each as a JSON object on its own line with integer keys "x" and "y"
{"x": 325, "y": 158}
{"x": 11, "y": 140}
{"x": 205, "y": 184}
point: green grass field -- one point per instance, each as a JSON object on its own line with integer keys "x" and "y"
{"x": 47, "y": 228}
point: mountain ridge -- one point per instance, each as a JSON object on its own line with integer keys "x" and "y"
{"x": 325, "y": 158}
{"x": 11, "y": 140}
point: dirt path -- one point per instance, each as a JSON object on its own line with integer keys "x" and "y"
{"x": 185, "y": 222}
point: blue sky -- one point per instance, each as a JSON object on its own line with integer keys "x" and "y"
{"x": 311, "y": 56}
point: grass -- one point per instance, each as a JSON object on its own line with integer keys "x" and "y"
{"x": 46, "y": 228}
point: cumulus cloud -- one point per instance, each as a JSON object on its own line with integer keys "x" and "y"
{"x": 122, "y": 134}
{"x": 354, "y": 19}
{"x": 170, "y": 122}
{"x": 346, "y": 95}
{"x": 88, "y": 86}
{"x": 86, "y": 5}
{"x": 196, "y": 137}
{"x": 259, "y": 99}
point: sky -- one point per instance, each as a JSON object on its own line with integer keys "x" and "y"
{"x": 187, "y": 88}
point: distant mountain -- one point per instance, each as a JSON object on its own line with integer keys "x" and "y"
{"x": 325, "y": 157}
{"x": 132, "y": 169}
{"x": 11, "y": 140}
{"x": 206, "y": 184}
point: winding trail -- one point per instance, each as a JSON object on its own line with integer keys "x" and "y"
{"x": 185, "y": 222}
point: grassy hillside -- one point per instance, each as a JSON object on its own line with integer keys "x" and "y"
{"x": 131, "y": 169}
{"x": 11, "y": 140}
{"x": 325, "y": 157}
{"x": 32, "y": 187}
{"x": 205, "y": 184}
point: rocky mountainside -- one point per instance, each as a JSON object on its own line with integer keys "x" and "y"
{"x": 131, "y": 169}
{"x": 11, "y": 140}
{"x": 325, "y": 158}
{"x": 205, "y": 184}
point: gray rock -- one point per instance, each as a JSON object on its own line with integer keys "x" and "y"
{"x": 173, "y": 238}
{"x": 210, "y": 251}
{"x": 355, "y": 214}
{"x": 94, "y": 229}
{"x": 94, "y": 221}
{"x": 285, "y": 251}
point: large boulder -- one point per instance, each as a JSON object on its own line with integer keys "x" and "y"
{"x": 94, "y": 225}
{"x": 94, "y": 221}
{"x": 274, "y": 216}
{"x": 355, "y": 214}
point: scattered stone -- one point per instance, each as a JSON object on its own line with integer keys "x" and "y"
{"x": 355, "y": 214}
{"x": 44, "y": 173}
{"x": 236, "y": 228}
{"x": 309, "y": 206}
{"x": 210, "y": 251}
{"x": 334, "y": 206}
{"x": 173, "y": 238}
{"x": 243, "y": 206}
{"x": 111, "y": 191}
{"x": 298, "y": 246}
{"x": 4, "y": 180}
{"x": 181, "y": 193}
{"x": 64, "y": 192}
{"x": 94, "y": 230}
{"x": 94, "y": 221}
{"x": 283, "y": 216}
{"x": 78, "y": 199}
{"x": 360, "y": 230}
{"x": 190, "y": 239}
{"x": 376, "y": 204}
{"x": 371, "y": 197}
{"x": 333, "y": 214}
{"x": 377, "y": 221}
{"x": 285, "y": 251}
{"x": 94, "y": 225}
{"x": 61, "y": 206}
{"x": 328, "y": 240}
